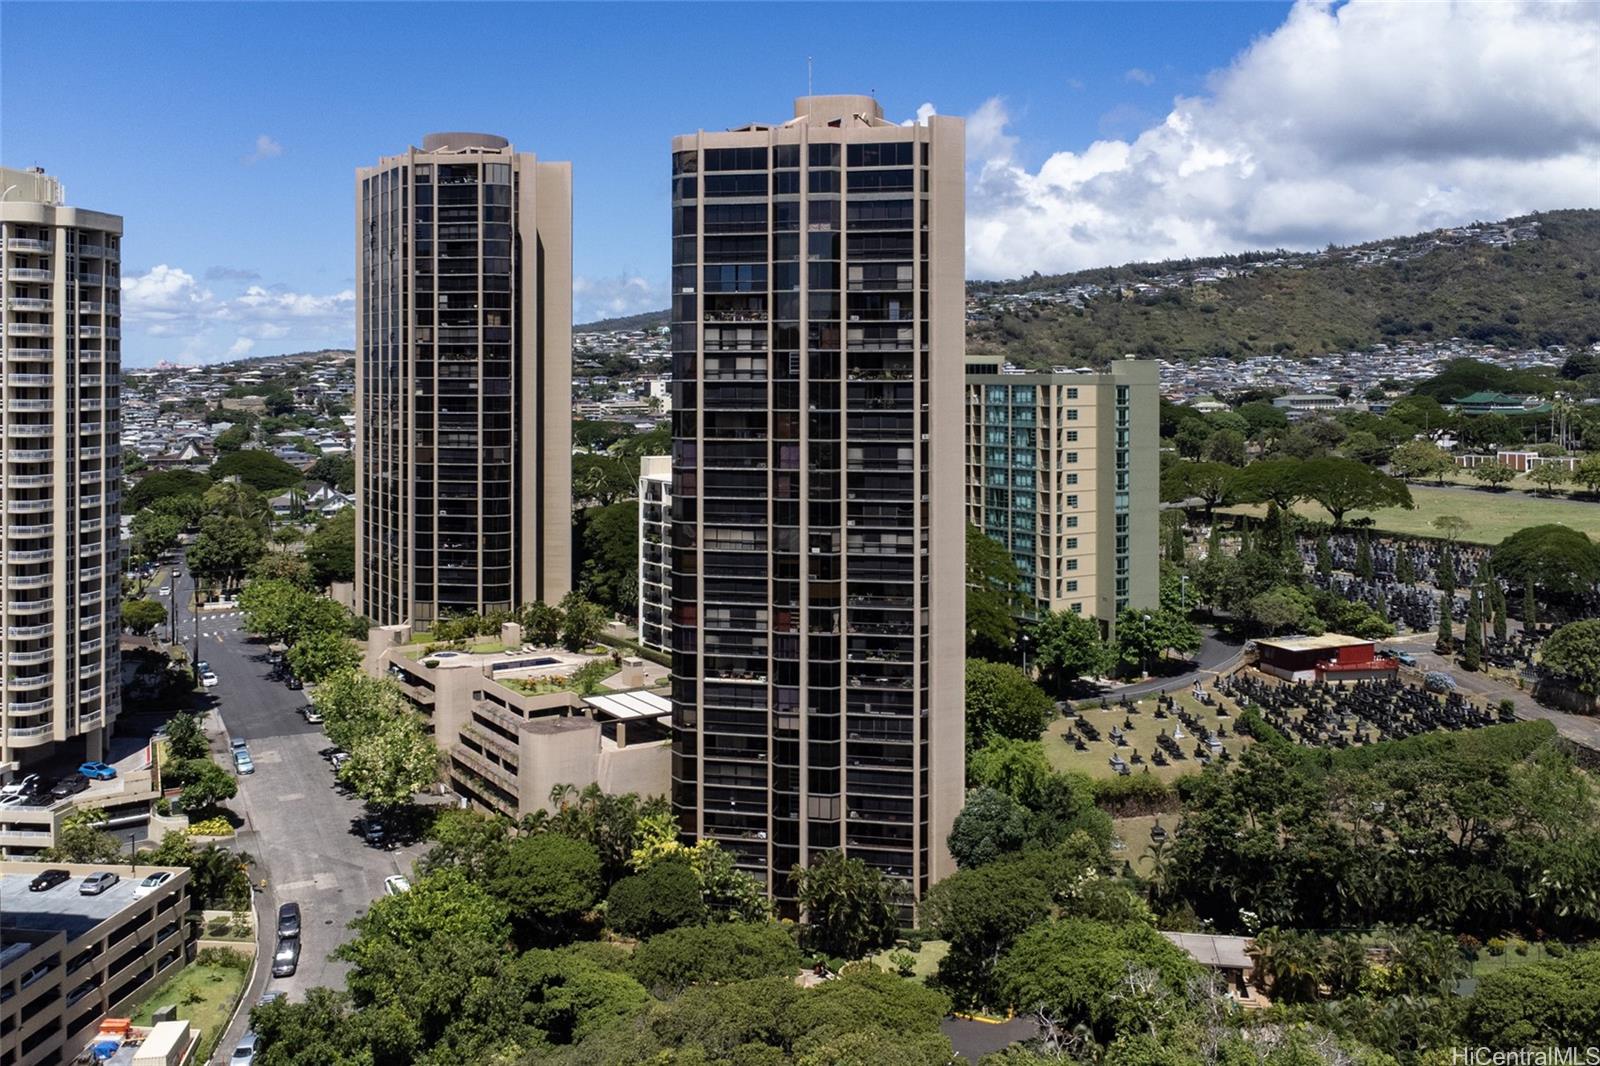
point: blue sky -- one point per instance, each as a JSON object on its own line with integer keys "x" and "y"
{"x": 227, "y": 135}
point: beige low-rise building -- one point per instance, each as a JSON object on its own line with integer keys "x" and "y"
{"x": 126, "y": 801}
{"x": 68, "y": 960}
{"x": 510, "y": 730}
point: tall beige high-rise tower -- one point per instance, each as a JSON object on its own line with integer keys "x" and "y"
{"x": 463, "y": 380}
{"x": 818, "y": 577}
{"x": 61, "y": 430}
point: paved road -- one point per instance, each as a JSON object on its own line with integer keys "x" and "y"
{"x": 304, "y": 832}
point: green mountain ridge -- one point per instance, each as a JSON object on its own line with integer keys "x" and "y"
{"x": 1539, "y": 291}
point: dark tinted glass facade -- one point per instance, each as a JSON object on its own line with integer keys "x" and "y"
{"x": 801, "y": 580}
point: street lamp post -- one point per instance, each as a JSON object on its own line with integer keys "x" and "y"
{"x": 133, "y": 853}
{"x": 1024, "y": 653}
{"x": 1146, "y": 649}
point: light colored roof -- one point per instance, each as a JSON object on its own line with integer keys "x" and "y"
{"x": 1218, "y": 952}
{"x": 626, "y": 705}
{"x": 1326, "y": 642}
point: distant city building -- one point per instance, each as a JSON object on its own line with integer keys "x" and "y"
{"x": 1063, "y": 469}
{"x": 817, "y": 545}
{"x": 463, "y": 367}
{"x": 60, "y": 520}
{"x": 655, "y": 542}
{"x": 1499, "y": 403}
{"x": 1299, "y": 405}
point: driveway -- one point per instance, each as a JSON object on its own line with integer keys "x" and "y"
{"x": 303, "y": 831}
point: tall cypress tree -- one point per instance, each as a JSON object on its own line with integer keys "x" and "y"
{"x": 1324, "y": 555}
{"x": 1364, "y": 557}
{"x": 1528, "y": 606}
{"x": 1447, "y": 572}
{"x": 1404, "y": 572}
{"x": 1472, "y": 640}
{"x": 1446, "y": 636}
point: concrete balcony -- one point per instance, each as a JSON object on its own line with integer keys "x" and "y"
{"x": 90, "y": 598}
{"x": 91, "y": 307}
{"x": 30, "y": 683}
{"x": 90, "y": 620}
{"x": 89, "y": 647}
{"x": 29, "y": 405}
{"x": 91, "y": 251}
{"x": 29, "y": 303}
{"x": 88, "y": 501}
{"x": 91, "y": 670}
{"x": 29, "y": 329}
{"x": 15, "y": 354}
{"x": 36, "y": 707}
{"x": 91, "y": 279}
{"x": 29, "y": 837}
{"x": 90, "y": 453}
{"x": 87, "y": 694}
{"x": 36, "y": 529}
{"x": 90, "y": 525}
{"x": 29, "y": 506}
{"x": 29, "y": 581}
{"x": 89, "y": 379}
{"x": 29, "y": 606}
{"x": 29, "y": 273}
{"x": 39, "y": 556}
{"x": 30, "y": 632}
{"x": 29, "y": 455}
{"x": 34, "y": 429}
{"x": 87, "y": 428}
{"x": 45, "y": 380}
{"x": 88, "y": 573}
{"x": 29, "y": 244}
{"x": 90, "y": 477}
{"x": 30, "y": 658}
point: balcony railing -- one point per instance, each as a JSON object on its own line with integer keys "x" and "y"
{"x": 36, "y": 707}
{"x": 29, "y": 632}
{"x": 29, "y": 244}
{"x": 29, "y": 273}
{"x": 29, "y": 303}
{"x": 29, "y": 329}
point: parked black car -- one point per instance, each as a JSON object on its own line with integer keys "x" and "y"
{"x": 69, "y": 786}
{"x": 47, "y": 880}
{"x": 289, "y": 919}
{"x": 373, "y": 832}
{"x": 287, "y": 958}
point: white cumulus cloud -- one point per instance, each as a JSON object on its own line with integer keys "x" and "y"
{"x": 169, "y": 306}
{"x": 1346, "y": 123}
{"x": 1139, "y": 76}
{"x": 615, "y": 297}
{"x": 266, "y": 148}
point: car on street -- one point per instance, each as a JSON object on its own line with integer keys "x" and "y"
{"x": 329, "y": 752}
{"x": 165, "y": 590}
{"x": 1405, "y": 657}
{"x": 69, "y": 786}
{"x": 271, "y": 997}
{"x": 47, "y": 880}
{"x": 22, "y": 786}
{"x": 289, "y": 919}
{"x": 287, "y": 958}
{"x": 242, "y": 761}
{"x": 395, "y": 884}
{"x": 97, "y": 771}
{"x": 372, "y": 832}
{"x": 208, "y": 679}
{"x": 237, "y": 743}
{"x": 294, "y": 684}
{"x": 95, "y": 884}
{"x": 151, "y": 883}
{"x": 311, "y": 714}
{"x": 339, "y": 760}
{"x": 244, "y": 1053}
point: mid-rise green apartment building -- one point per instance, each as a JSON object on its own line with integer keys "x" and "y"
{"x": 1063, "y": 468}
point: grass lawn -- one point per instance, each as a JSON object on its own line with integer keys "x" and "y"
{"x": 927, "y": 959}
{"x": 1096, "y": 762}
{"x": 477, "y": 646}
{"x": 217, "y": 988}
{"x": 1493, "y": 515}
{"x": 1134, "y": 835}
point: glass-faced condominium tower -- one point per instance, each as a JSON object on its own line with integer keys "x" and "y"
{"x": 463, "y": 380}
{"x": 817, "y": 562}
{"x": 60, "y": 428}
{"x": 1063, "y": 468}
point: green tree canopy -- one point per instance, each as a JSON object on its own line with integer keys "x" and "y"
{"x": 1573, "y": 654}
{"x": 331, "y": 548}
{"x": 849, "y": 906}
{"x": 321, "y": 652}
{"x": 664, "y": 897}
{"x": 1344, "y": 485}
{"x": 139, "y": 617}
{"x": 165, "y": 483}
{"x": 262, "y": 471}
{"x": 548, "y": 882}
{"x": 609, "y": 566}
{"x": 1001, "y": 701}
{"x": 671, "y": 961}
{"x": 989, "y": 825}
{"x": 392, "y": 763}
{"x": 1068, "y": 646}
{"x": 1560, "y": 561}
{"x": 993, "y": 600}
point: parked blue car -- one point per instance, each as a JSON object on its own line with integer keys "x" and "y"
{"x": 97, "y": 771}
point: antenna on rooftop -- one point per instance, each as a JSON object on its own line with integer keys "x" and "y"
{"x": 808, "y": 76}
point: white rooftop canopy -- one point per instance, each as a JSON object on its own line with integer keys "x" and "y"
{"x": 629, "y": 705}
